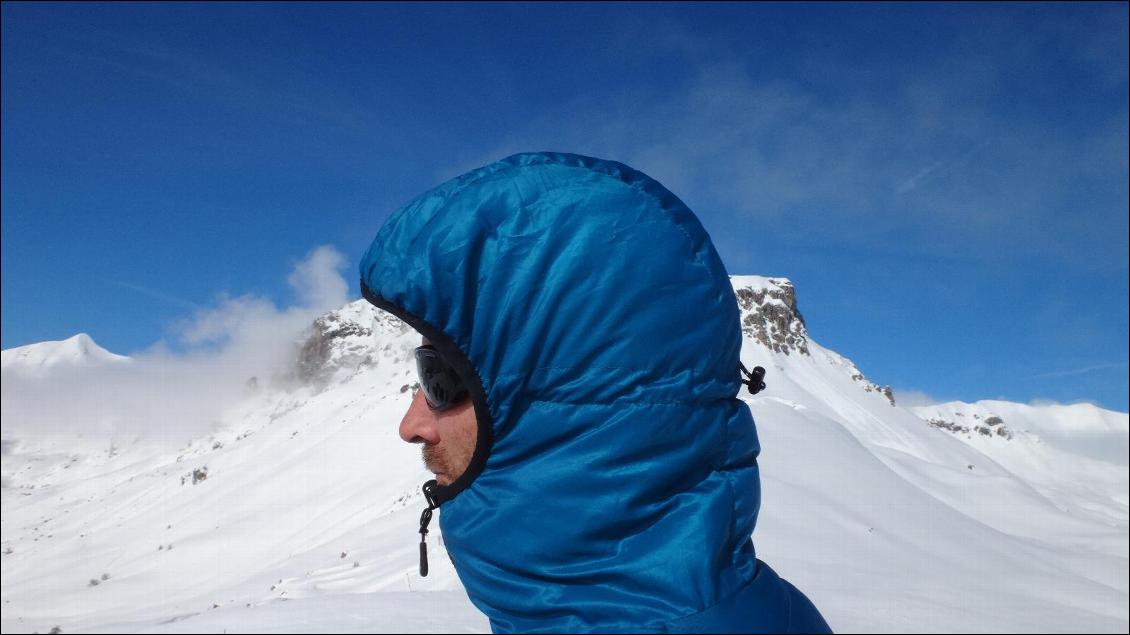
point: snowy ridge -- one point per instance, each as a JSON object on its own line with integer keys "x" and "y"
{"x": 77, "y": 351}
{"x": 339, "y": 344}
{"x": 1081, "y": 420}
{"x": 300, "y": 511}
{"x": 1075, "y": 455}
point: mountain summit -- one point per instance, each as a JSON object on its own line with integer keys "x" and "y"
{"x": 76, "y": 351}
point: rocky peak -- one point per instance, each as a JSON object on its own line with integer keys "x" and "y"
{"x": 346, "y": 340}
{"x": 769, "y": 313}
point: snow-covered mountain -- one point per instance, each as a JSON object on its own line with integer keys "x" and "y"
{"x": 299, "y": 513}
{"x": 1075, "y": 455}
{"x": 79, "y": 351}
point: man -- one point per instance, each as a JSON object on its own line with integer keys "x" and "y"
{"x": 595, "y": 470}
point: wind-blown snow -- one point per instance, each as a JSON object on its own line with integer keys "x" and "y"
{"x": 300, "y": 512}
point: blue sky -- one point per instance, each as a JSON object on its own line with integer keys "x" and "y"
{"x": 946, "y": 185}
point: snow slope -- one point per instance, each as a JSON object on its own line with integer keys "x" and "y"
{"x": 299, "y": 513}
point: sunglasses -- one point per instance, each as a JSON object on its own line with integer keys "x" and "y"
{"x": 441, "y": 384}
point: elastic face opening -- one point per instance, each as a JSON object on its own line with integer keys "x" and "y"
{"x": 467, "y": 375}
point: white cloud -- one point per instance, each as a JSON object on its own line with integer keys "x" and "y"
{"x": 171, "y": 396}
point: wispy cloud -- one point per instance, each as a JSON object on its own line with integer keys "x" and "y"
{"x": 195, "y": 73}
{"x": 937, "y": 168}
{"x": 910, "y": 398}
{"x": 157, "y": 295}
{"x": 744, "y": 151}
{"x": 1071, "y": 372}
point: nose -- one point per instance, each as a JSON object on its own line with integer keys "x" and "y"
{"x": 419, "y": 423}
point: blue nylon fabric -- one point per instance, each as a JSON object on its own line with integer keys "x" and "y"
{"x": 621, "y": 485}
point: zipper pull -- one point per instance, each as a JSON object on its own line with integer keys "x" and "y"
{"x": 425, "y": 518}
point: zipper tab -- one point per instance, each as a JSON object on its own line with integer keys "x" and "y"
{"x": 425, "y": 518}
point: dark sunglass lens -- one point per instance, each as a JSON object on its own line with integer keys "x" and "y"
{"x": 440, "y": 383}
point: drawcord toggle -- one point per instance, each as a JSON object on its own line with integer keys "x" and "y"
{"x": 756, "y": 381}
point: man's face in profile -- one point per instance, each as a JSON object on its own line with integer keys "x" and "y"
{"x": 449, "y": 436}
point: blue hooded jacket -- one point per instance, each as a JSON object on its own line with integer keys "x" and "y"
{"x": 614, "y": 485}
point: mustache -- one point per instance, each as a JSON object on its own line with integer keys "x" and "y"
{"x": 436, "y": 459}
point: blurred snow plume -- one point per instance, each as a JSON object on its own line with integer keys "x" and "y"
{"x": 75, "y": 389}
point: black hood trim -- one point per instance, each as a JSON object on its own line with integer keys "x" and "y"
{"x": 451, "y": 353}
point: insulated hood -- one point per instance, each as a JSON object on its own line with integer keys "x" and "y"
{"x": 614, "y": 486}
